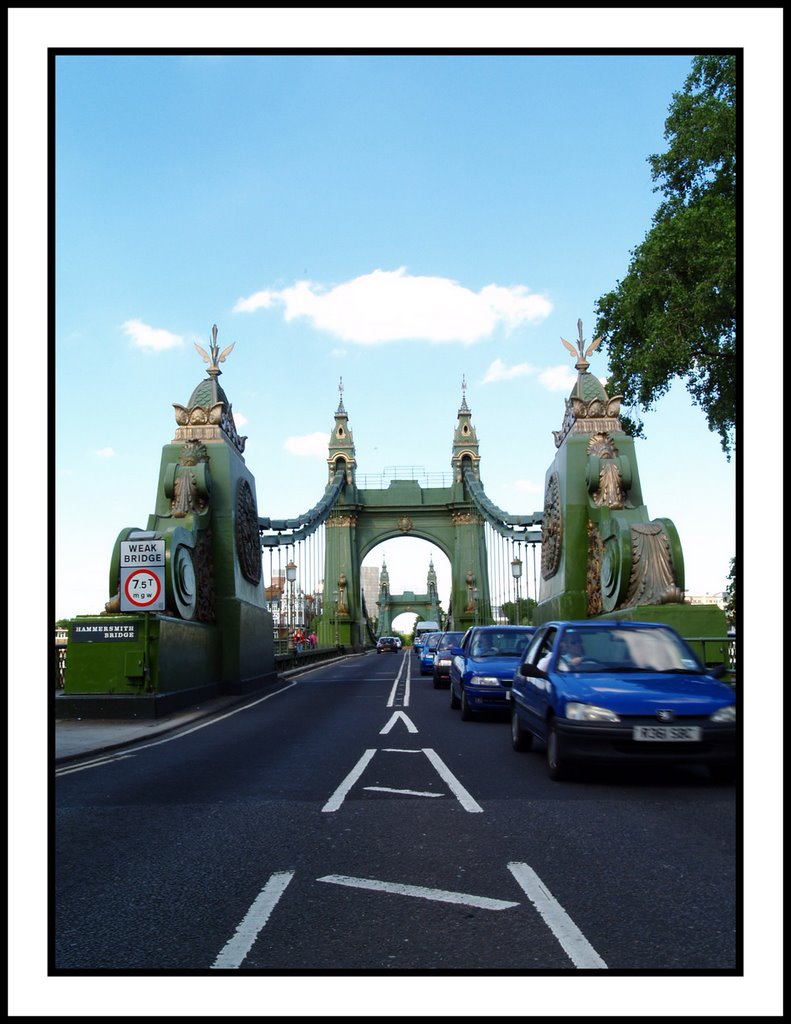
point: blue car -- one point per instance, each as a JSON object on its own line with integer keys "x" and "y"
{"x": 619, "y": 692}
{"x": 482, "y": 667}
{"x": 430, "y": 641}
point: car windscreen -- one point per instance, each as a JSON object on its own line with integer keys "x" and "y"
{"x": 625, "y": 650}
{"x": 498, "y": 645}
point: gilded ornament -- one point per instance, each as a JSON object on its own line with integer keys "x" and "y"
{"x": 551, "y": 529}
{"x": 248, "y": 541}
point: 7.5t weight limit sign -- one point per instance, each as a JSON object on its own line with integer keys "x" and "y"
{"x": 143, "y": 590}
{"x": 143, "y": 575}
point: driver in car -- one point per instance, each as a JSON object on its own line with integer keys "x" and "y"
{"x": 571, "y": 653}
{"x": 485, "y": 645}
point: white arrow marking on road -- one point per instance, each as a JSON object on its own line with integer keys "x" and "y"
{"x": 574, "y": 943}
{"x": 441, "y": 895}
{"x": 396, "y": 715}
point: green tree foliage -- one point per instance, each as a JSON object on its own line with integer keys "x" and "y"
{"x": 674, "y": 314}
{"x": 526, "y": 607}
{"x": 730, "y": 595}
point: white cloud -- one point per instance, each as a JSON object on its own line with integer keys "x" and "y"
{"x": 152, "y": 338}
{"x": 309, "y": 445}
{"x": 558, "y": 378}
{"x": 392, "y": 305}
{"x": 106, "y": 453}
{"x": 240, "y": 419}
{"x": 258, "y": 300}
{"x": 499, "y": 371}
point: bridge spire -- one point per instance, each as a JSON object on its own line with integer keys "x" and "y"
{"x": 465, "y": 440}
{"x": 341, "y": 447}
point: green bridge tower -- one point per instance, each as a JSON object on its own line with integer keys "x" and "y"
{"x": 364, "y": 517}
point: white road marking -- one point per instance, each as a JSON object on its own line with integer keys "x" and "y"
{"x": 241, "y": 942}
{"x": 339, "y": 795}
{"x": 391, "y": 698}
{"x": 440, "y": 895}
{"x": 406, "y": 792}
{"x": 177, "y": 736}
{"x": 574, "y": 943}
{"x": 461, "y": 794}
{"x": 400, "y": 750}
{"x": 92, "y": 764}
{"x": 455, "y": 786}
{"x": 394, "y": 718}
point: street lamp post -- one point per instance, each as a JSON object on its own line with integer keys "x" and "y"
{"x": 291, "y": 575}
{"x": 516, "y": 572}
{"x": 475, "y": 603}
{"x": 335, "y": 599}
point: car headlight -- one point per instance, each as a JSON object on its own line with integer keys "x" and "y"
{"x": 443, "y": 661}
{"x": 726, "y": 714}
{"x": 589, "y": 713}
{"x": 484, "y": 681}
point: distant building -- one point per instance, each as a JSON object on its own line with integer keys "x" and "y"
{"x": 370, "y": 589}
{"x": 274, "y": 598}
{"x": 718, "y": 599}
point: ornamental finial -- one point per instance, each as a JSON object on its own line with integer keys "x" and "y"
{"x": 464, "y": 406}
{"x": 578, "y": 350}
{"x": 216, "y": 357}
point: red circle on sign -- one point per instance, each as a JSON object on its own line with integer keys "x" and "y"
{"x": 148, "y": 600}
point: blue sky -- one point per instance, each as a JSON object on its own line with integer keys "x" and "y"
{"x": 186, "y": 186}
{"x": 400, "y": 222}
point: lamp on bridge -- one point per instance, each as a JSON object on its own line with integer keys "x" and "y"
{"x": 291, "y": 575}
{"x": 335, "y": 599}
{"x": 516, "y": 572}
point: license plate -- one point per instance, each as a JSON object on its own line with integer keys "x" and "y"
{"x": 668, "y": 733}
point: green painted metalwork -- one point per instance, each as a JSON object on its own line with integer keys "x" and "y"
{"x": 362, "y": 518}
{"x": 215, "y": 631}
{"x": 602, "y": 554}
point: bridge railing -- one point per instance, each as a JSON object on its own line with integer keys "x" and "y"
{"x": 715, "y": 650}
{"x": 381, "y": 481}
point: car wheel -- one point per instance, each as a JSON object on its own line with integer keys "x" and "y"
{"x": 454, "y": 700}
{"x": 556, "y": 765}
{"x": 467, "y": 714}
{"x": 521, "y": 739}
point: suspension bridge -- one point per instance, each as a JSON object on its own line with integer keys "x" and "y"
{"x": 200, "y": 595}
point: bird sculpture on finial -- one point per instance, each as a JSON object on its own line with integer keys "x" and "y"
{"x": 578, "y": 351}
{"x": 216, "y": 356}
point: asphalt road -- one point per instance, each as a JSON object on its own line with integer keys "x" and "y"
{"x": 351, "y": 822}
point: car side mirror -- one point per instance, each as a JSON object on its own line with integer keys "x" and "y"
{"x": 718, "y": 671}
{"x": 526, "y": 669}
{"x": 456, "y": 650}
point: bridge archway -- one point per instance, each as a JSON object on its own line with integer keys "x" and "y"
{"x": 405, "y": 578}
